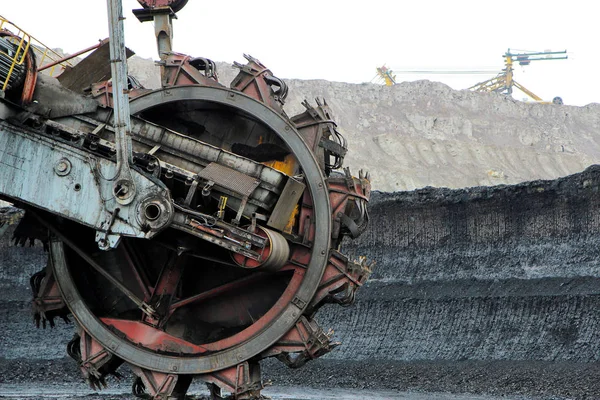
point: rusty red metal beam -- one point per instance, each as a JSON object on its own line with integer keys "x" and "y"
{"x": 152, "y": 338}
{"x": 237, "y": 284}
{"x": 71, "y": 56}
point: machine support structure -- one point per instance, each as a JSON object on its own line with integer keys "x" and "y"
{"x": 504, "y": 81}
{"x": 123, "y": 187}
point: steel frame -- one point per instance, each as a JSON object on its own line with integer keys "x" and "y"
{"x": 291, "y": 305}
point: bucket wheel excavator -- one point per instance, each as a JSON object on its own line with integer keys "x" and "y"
{"x": 192, "y": 230}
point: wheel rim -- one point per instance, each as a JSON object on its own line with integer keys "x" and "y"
{"x": 284, "y": 313}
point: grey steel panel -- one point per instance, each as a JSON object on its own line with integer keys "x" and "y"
{"x": 95, "y": 67}
{"x": 288, "y": 200}
{"x": 230, "y": 179}
{"x": 70, "y": 182}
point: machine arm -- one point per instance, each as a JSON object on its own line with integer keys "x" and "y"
{"x": 527, "y": 91}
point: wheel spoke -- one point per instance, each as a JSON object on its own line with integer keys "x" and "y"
{"x": 146, "y": 309}
{"x": 219, "y": 290}
{"x": 165, "y": 289}
{"x": 133, "y": 262}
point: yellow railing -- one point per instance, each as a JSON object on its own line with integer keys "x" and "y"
{"x": 24, "y": 43}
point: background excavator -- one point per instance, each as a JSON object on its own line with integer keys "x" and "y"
{"x": 503, "y": 81}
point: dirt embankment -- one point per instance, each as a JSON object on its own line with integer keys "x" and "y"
{"x": 418, "y": 134}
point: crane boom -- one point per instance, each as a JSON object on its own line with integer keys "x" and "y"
{"x": 502, "y": 82}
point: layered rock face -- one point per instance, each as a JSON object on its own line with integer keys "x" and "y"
{"x": 486, "y": 273}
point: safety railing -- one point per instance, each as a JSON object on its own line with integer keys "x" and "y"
{"x": 14, "y": 49}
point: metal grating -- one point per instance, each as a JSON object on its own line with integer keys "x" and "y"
{"x": 229, "y": 179}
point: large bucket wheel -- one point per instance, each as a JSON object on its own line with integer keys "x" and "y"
{"x": 214, "y": 320}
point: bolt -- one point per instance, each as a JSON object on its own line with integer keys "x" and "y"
{"x": 121, "y": 189}
{"x": 62, "y": 166}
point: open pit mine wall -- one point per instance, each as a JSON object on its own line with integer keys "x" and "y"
{"x": 487, "y": 273}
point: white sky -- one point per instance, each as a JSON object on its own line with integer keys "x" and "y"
{"x": 345, "y": 40}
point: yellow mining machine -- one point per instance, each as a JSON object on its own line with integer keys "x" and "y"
{"x": 504, "y": 81}
{"x": 386, "y": 75}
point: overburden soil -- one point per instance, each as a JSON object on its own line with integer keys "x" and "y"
{"x": 423, "y": 133}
